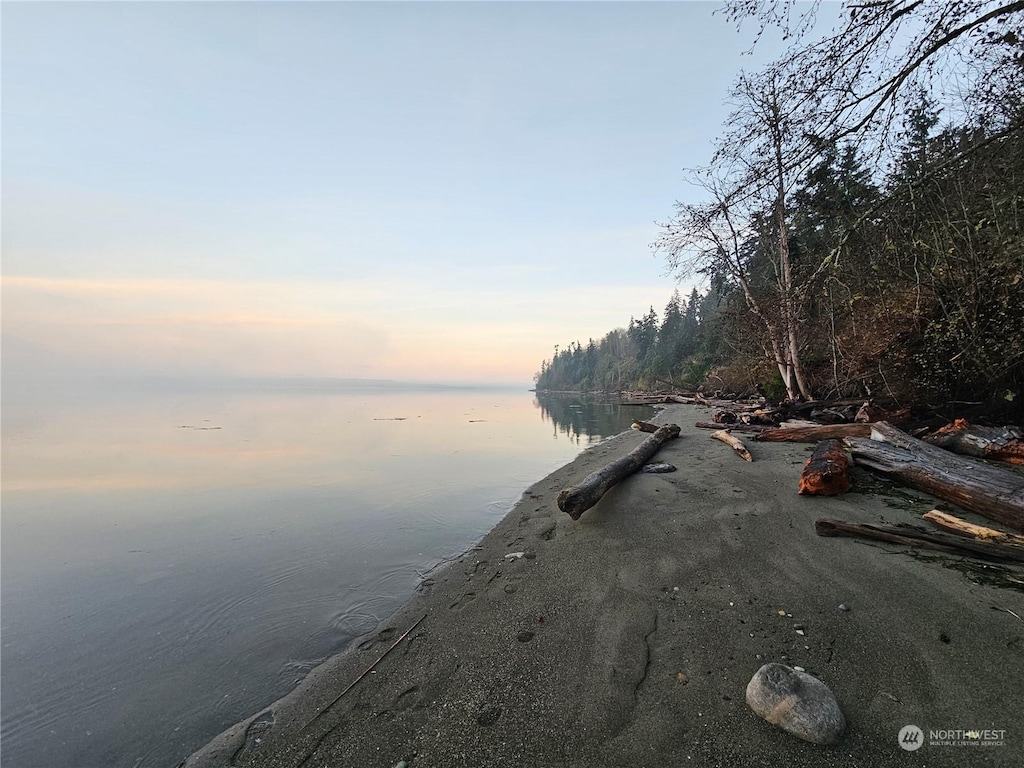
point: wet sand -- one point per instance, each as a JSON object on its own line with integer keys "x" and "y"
{"x": 627, "y": 638}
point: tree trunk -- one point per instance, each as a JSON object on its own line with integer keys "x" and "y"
{"x": 579, "y": 498}
{"x": 995, "y": 493}
{"x": 795, "y": 369}
{"x": 999, "y": 443}
{"x": 826, "y": 472}
{"x": 813, "y": 434}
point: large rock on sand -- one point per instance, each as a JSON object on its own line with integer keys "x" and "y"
{"x": 797, "y": 703}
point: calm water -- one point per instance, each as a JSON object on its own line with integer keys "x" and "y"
{"x": 172, "y": 562}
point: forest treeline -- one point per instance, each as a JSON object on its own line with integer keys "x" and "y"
{"x": 858, "y": 231}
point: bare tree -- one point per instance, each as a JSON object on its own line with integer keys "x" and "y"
{"x": 712, "y": 237}
{"x": 857, "y": 78}
{"x": 754, "y": 169}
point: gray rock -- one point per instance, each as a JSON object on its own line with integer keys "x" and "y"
{"x": 657, "y": 468}
{"x": 797, "y": 703}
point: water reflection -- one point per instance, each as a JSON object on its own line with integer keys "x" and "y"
{"x": 586, "y": 418}
{"x": 173, "y": 561}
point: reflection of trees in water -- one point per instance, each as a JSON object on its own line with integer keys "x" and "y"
{"x": 584, "y": 418}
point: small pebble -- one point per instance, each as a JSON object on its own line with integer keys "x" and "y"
{"x": 843, "y": 607}
{"x": 798, "y": 626}
{"x": 800, "y": 632}
{"x": 799, "y": 669}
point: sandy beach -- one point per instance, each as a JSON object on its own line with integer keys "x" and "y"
{"x": 627, "y": 638}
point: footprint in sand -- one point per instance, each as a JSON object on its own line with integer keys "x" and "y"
{"x": 407, "y": 699}
{"x": 546, "y": 532}
{"x": 463, "y": 601}
{"x": 381, "y": 637}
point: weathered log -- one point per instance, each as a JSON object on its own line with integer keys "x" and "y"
{"x": 813, "y": 434}
{"x": 734, "y": 443}
{"x": 645, "y": 426}
{"x": 683, "y": 399}
{"x": 998, "y": 443}
{"x": 914, "y": 537}
{"x": 739, "y": 406}
{"x": 869, "y": 413}
{"x": 956, "y": 525}
{"x": 732, "y": 427}
{"x": 826, "y": 472}
{"x": 579, "y": 498}
{"x": 725, "y": 416}
{"x": 833, "y": 415}
{"x": 992, "y": 492}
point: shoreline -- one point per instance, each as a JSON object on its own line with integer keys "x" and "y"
{"x": 628, "y": 637}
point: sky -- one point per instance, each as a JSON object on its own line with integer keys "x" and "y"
{"x": 420, "y": 191}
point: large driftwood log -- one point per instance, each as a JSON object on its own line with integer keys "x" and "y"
{"x": 734, "y": 443}
{"x": 954, "y": 524}
{"x": 992, "y": 492}
{"x": 579, "y": 498}
{"x": 826, "y": 472}
{"x": 999, "y": 443}
{"x": 913, "y": 537}
{"x": 813, "y": 434}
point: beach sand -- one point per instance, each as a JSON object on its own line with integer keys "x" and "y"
{"x": 627, "y": 638}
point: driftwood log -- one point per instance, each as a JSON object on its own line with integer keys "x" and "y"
{"x": 813, "y": 434}
{"x": 734, "y": 443}
{"x": 732, "y": 427}
{"x": 645, "y": 426}
{"x": 579, "y": 498}
{"x": 914, "y": 537}
{"x": 998, "y": 443}
{"x": 992, "y": 492}
{"x": 954, "y": 524}
{"x": 826, "y": 472}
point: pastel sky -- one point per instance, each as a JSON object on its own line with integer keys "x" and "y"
{"x": 426, "y": 191}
